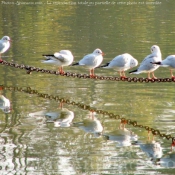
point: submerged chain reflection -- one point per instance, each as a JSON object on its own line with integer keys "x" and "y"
{"x": 31, "y": 69}
{"x": 57, "y": 98}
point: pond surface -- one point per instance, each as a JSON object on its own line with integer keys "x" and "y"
{"x": 41, "y": 135}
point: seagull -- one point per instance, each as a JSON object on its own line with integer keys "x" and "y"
{"x": 4, "y": 45}
{"x": 61, "y": 59}
{"x": 91, "y": 61}
{"x": 146, "y": 66}
{"x": 169, "y": 61}
{"x": 122, "y": 63}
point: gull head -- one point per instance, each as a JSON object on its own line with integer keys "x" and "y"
{"x": 5, "y": 38}
{"x": 155, "y": 49}
{"x": 66, "y": 52}
{"x": 98, "y": 52}
{"x": 133, "y": 62}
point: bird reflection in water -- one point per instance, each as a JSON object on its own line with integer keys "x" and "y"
{"x": 62, "y": 118}
{"x": 90, "y": 125}
{"x": 122, "y": 136}
{"x": 152, "y": 149}
{"x": 168, "y": 160}
{"x": 5, "y": 104}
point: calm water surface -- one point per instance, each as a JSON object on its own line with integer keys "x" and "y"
{"x": 38, "y": 136}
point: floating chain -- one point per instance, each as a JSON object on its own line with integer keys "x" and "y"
{"x": 29, "y": 90}
{"x": 31, "y": 69}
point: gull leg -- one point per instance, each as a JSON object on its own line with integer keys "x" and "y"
{"x": 92, "y": 73}
{"x": 120, "y": 73}
{"x": 149, "y": 75}
{"x": 171, "y": 72}
{"x": 0, "y": 58}
{"x": 61, "y": 70}
{"x": 154, "y": 77}
{"x": 124, "y": 74}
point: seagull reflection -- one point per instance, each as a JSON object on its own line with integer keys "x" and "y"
{"x": 168, "y": 161}
{"x": 4, "y": 104}
{"x": 122, "y": 136}
{"x": 90, "y": 125}
{"x": 63, "y": 118}
{"x": 152, "y": 149}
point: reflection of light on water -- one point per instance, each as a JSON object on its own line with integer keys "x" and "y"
{"x": 6, "y": 155}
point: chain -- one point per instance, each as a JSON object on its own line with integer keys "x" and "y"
{"x": 29, "y": 90}
{"x": 31, "y": 69}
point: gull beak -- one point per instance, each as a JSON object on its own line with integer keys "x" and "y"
{"x": 103, "y": 54}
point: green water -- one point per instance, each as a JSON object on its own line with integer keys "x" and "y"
{"x": 32, "y": 145}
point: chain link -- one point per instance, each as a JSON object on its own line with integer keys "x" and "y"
{"x": 29, "y": 90}
{"x": 31, "y": 69}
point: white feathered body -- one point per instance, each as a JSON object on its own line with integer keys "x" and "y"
{"x": 62, "y": 58}
{"x": 91, "y": 60}
{"x": 4, "y": 44}
{"x": 146, "y": 65}
{"x": 122, "y": 62}
{"x": 169, "y": 61}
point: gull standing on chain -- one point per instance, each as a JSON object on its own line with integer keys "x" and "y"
{"x": 169, "y": 61}
{"x": 4, "y": 45}
{"x": 146, "y": 65}
{"x": 121, "y": 63}
{"x": 91, "y": 61}
{"x": 61, "y": 59}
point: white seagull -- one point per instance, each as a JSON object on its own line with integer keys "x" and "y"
{"x": 169, "y": 61}
{"x": 4, "y": 45}
{"x": 146, "y": 65}
{"x": 91, "y": 61}
{"x": 121, "y": 63}
{"x": 61, "y": 59}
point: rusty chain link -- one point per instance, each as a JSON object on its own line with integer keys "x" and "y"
{"x": 29, "y": 90}
{"x": 31, "y": 69}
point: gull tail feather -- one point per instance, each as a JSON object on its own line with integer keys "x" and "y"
{"x": 134, "y": 72}
{"x": 75, "y": 64}
{"x": 158, "y": 63}
{"x": 104, "y": 66}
